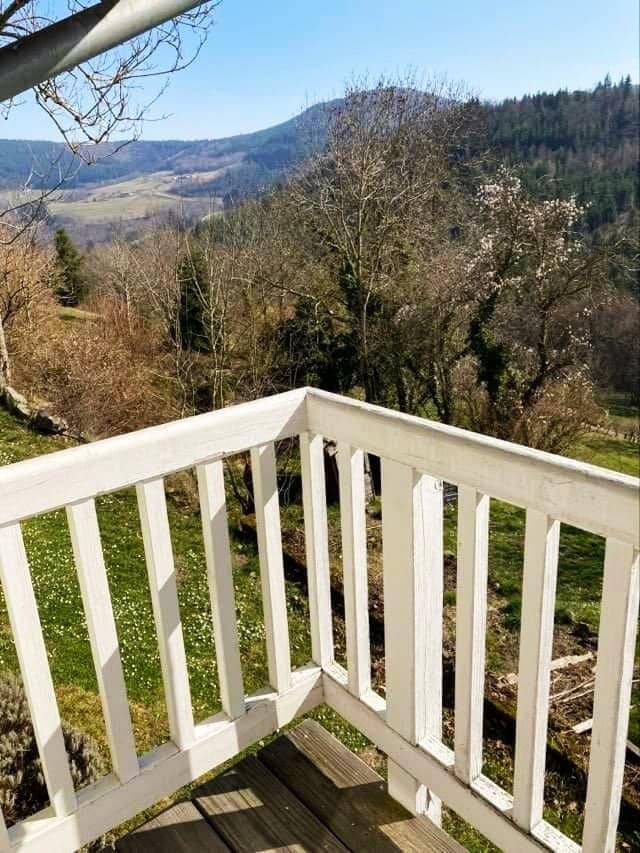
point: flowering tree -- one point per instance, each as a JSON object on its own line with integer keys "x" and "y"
{"x": 536, "y": 282}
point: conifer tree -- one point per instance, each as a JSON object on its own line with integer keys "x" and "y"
{"x": 71, "y": 283}
{"x": 192, "y": 277}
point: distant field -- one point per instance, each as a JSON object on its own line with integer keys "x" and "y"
{"x": 68, "y": 313}
{"x": 133, "y": 199}
{"x": 155, "y": 184}
{"x": 91, "y": 213}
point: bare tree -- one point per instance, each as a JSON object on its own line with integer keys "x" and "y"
{"x": 377, "y": 196}
{"x": 616, "y": 351}
{"x": 89, "y": 103}
{"x": 236, "y": 272}
{"x": 432, "y": 323}
{"x": 26, "y": 272}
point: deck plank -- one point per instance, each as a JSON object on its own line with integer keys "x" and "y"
{"x": 180, "y": 829}
{"x": 348, "y": 796}
{"x": 253, "y": 811}
{"x": 305, "y": 792}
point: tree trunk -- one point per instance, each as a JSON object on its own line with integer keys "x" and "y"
{"x": 401, "y": 390}
{"x": 5, "y": 365}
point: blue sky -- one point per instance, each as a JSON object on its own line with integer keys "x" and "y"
{"x": 266, "y": 59}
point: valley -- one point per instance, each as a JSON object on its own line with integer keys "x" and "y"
{"x": 96, "y": 213}
{"x": 582, "y": 143}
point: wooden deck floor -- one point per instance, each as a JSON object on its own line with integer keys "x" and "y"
{"x": 303, "y": 792}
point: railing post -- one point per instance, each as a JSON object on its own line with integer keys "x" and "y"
{"x": 265, "y": 492}
{"x": 412, "y": 521}
{"x": 105, "y": 648}
{"x": 5, "y": 845}
{"x": 354, "y": 562}
{"x": 542, "y": 537}
{"x": 614, "y": 673}
{"x": 156, "y": 536}
{"x": 215, "y": 531}
{"x": 317, "y": 547}
{"x": 471, "y": 624}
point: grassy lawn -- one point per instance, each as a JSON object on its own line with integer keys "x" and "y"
{"x": 49, "y": 549}
{"x": 609, "y": 452}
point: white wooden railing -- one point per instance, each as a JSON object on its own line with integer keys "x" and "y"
{"x": 407, "y": 725}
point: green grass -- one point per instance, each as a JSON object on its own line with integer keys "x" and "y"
{"x": 622, "y": 413}
{"x": 609, "y": 452}
{"x": 49, "y": 550}
{"x": 69, "y": 313}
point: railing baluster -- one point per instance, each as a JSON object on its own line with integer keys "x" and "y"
{"x": 156, "y": 536}
{"x": 354, "y": 561}
{"x": 34, "y": 666}
{"x": 413, "y": 576}
{"x": 429, "y": 543}
{"x": 4, "y": 835}
{"x": 215, "y": 531}
{"x": 96, "y": 598}
{"x": 614, "y": 673}
{"x": 471, "y": 624}
{"x": 317, "y": 547}
{"x": 542, "y": 536}
{"x": 265, "y": 492}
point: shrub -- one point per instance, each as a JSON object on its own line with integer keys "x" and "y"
{"x": 100, "y": 374}
{"x": 22, "y": 787}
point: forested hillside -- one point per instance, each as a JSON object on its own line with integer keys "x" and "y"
{"x": 264, "y": 154}
{"x": 584, "y": 142}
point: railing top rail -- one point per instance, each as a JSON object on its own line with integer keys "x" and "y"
{"x": 577, "y": 493}
{"x": 55, "y": 480}
{"x": 585, "y": 496}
